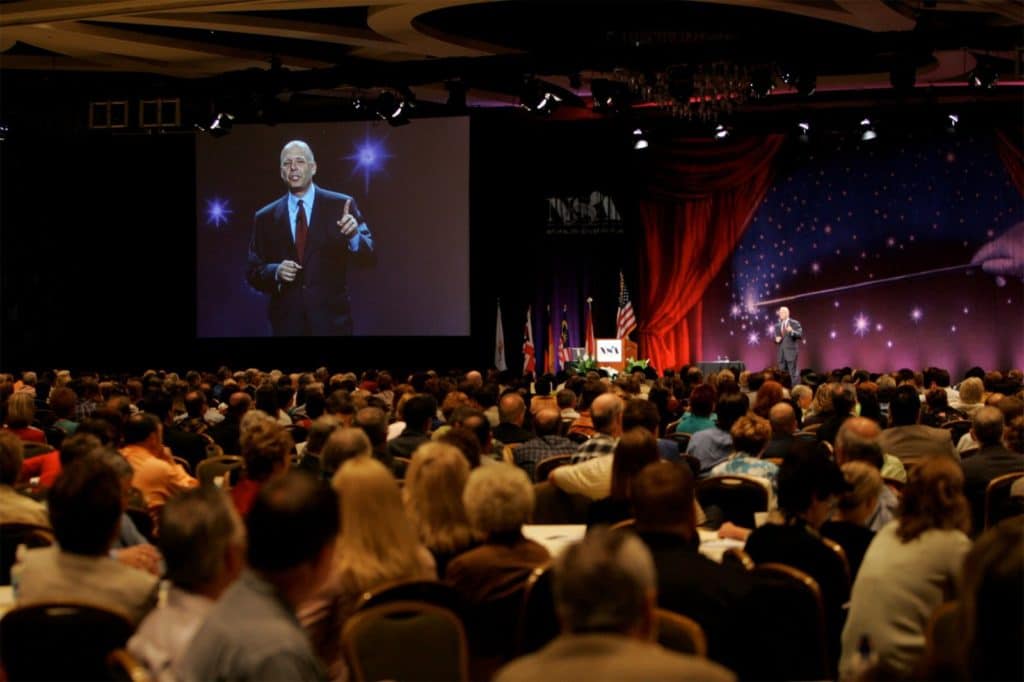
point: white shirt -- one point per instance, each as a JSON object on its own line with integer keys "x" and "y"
{"x": 164, "y": 635}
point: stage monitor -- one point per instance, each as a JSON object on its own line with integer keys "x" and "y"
{"x": 379, "y": 247}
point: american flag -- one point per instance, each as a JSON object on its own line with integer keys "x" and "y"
{"x": 529, "y": 354}
{"x": 564, "y": 354}
{"x": 625, "y": 319}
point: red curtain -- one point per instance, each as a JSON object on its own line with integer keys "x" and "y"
{"x": 702, "y": 196}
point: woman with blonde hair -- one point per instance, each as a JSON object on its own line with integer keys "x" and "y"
{"x": 21, "y": 411}
{"x": 972, "y": 390}
{"x": 377, "y": 545}
{"x": 849, "y": 526}
{"x": 432, "y": 494}
{"x": 910, "y": 568}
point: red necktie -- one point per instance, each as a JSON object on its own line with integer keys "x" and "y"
{"x": 301, "y": 230}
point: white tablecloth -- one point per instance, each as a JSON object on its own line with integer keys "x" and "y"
{"x": 556, "y": 538}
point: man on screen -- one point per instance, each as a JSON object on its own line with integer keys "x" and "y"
{"x": 787, "y": 335}
{"x": 302, "y": 245}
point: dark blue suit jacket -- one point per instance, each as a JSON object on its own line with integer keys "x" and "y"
{"x": 316, "y": 303}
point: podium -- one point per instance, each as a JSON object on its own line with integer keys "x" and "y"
{"x": 612, "y": 353}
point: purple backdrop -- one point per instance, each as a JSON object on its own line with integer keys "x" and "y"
{"x": 412, "y": 186}
{"x": 853, "y": 215}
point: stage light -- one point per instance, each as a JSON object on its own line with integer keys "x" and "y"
{"x": 762, "y": 82}
{"x": 221, "y": 124}
{"x": 609, "y": 95}
{"x": 4, "y": 131}
{"x": 535, "y": 96}
{"x": 722, "y": 132}
{"x": 803, "y": 78}
{"x": 867, "y": 130}
{"x": 952, "y": 121}
{"x": 640, "y": 139}
{"x": 805, "y": 131}
{"x": 984, "y": 76}
{"x": 392, "y": 108}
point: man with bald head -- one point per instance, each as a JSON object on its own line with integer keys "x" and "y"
{"x": 992, "y": 459}
{"x": 511, "y": 416}
{"x": 606, "y": 412}
{"x": 783, "y": 420}
{"x": 301, "y": 247}
{"x": 788, "y": 333}
{"x": 858, "y": 441}
{"x": 547, "y": 442}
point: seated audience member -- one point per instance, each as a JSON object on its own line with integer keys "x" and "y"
{"x": 418, "y": 413}
{"x": 809, "y": 485}
{"x": 801, "y": 396}
{"x": 712, "y": 446}
{"x": 157, "y": 476}
{"x": 750, "y": 435}
{"x": 266, "y": 448}
{"x": 701, "y": 414}
{"x": 640, "y": 413}
{"x": 782, "y": 419}
{"x": 511, "y": 416}
{"x": 45, "y": 467}
{"x": 377, "y": 545}
{"x": 908, "y": 440}
{"x": 468, "y": 444}
{"x": 476, "y": 423}
{"x": 1010, "y": 406}
{"x": 688, "y": 582}
{"x": 584, "y": 424}
{"x": 545, "y": 444}
{"x": 969, "y": 399}
{"x": 910, "y": 568}
{"x": 62, "y": 403}
{"x": 605, "y": 594}
{"x": 130, "y": 547}
{"x": 189, "y": 446}
{"x": 849, "y": 525}
{"x": 226, "y": 434}
{"x": 992, "y": 604}
{"x": 15, "y": 507}
{"x": 432, "y": 496}
{"x": 867, "y": 401}
{"x": 21, "y": 411}
{"x": 202, "y": 540}
{"x": 606, "y": 416}
{"x": 821, "y": 406}
{"x": 310, "y": 460}
{"x": 636, "y": 449}
{"x": 344, "y": 444}
{"x": 844, "y": 399}
{"x": 490, "y": 578}
{"x": 767, "y": 396}
{"x": 992, "y": 459}
{"x": 937, "y": 411}
{"x": 374, "y": 422}
{"x": 195, "y": 411}
{"x": 251, "y": 633}
{"x": 85, "y": 510}
{"x": 857, "y": 441}
{"x": 267, "y": 400}
{"x": 566, "y": 400}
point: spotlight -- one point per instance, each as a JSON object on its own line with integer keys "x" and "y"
{"x": 4, "y": 132}
{"x": 762, "y": 82}
{"x": 609, "y": 95}
{"x": 805, "y": 131}
{"x": 984, "y": 76}
{"x": 221, "y": 124}
{"x": 639, "y": 139}
{"x": 392, "y": 108}
{"x": 536, "y": 97}
{"x": 722, "y": 131}
{"x": 952, "y": 121}
{"x": 867, "y": 130}
{"x": 456, "y": 95}
{"x": 803, "y": 78}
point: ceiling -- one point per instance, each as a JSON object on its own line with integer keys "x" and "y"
{"x": 339, "y": 48}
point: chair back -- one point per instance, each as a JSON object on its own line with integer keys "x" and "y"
{"x": 997, "y": 498}
{"x": 624, "y": 523}
{"x": 538, "y": 622}
{"x": 786, "y": 636}
{"x": 942, "y": 643}
{"x": 680, "y": 633}
{"x": 552, "y": 505}
{"x": 957, "y": 428}
{"x": 738, "y": 497}
{"x": 692, "y": 462}
{"x": 433, "y": 592}
{"x": 399, "y": 465}
{"x": 405, "y": 640}
{"x": 124, "y": 667}
{"x": 838, "y": 550}
{"x": 545, "y": 466}
{"x": 737, "y": 557}
{"x": 671, "y": 427}
{"x": 682, "y": 440}
{"x": 214, "y": 467}
{"x": 57, "y": 641}
{"x": 184, "y": 464}
{"x": 12, "y": 535}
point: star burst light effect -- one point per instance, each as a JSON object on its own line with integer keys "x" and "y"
{"x": 369, "y": 157}
{"x": 861, "y": 325}
{"x": 916, "y": 315}
{"x": 753, "y": 338}
{"x": 217, "y": 212}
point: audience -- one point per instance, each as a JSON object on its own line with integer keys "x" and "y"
{"x": 782, "y": 418}
{"x": 606, "y": 416}
{"x": 21, "y": 411}
{"x": 750, "y": 435}
{"x": 636, "y": 449}
{"x": 202, "y": 541}
{"x": 251, "y": 633}
{"x": 992, "y": 459}
{"x": 547, "y": 442}
{"x": 15, "y": 507}
{"x": 850, "y": 525}
{"x": 157, "y": 476}
{"x": 906, "y": 438}
{"x": 701, "y": 414}
{"x": 605, "y": 593}
{"x": 910, "y": 568}
{"x": 418, "y": 413}
{"x": 712, "y": 446}
{"x": 511, "y": 416}
{"x": 310, "y": 451}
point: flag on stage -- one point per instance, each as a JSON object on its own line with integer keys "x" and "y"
{"x": 529, "y": 353}
{"x": 549, "y": 350}
{"x": 499, "y": 344}
{"x": 564, "y": 354}
{"x": 625, "y": 319}
{"x": 589, "y": 326}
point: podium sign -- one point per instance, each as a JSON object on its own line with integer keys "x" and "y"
{"x": 609, "y": 351}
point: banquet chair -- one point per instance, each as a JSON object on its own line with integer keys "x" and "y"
{"x": 997, "y": 498}
{"x": 12, "y": 535}
{"x": 680, "y": 633}
{"x": 545, "y": 466}
{"x": 538, "y": 621}
{"x": 213, "y": 467}
{"x": 738, "y": 497}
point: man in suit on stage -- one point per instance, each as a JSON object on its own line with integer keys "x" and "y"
{"x": 302, "y": 245}
{"x": 788, "y": 333}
